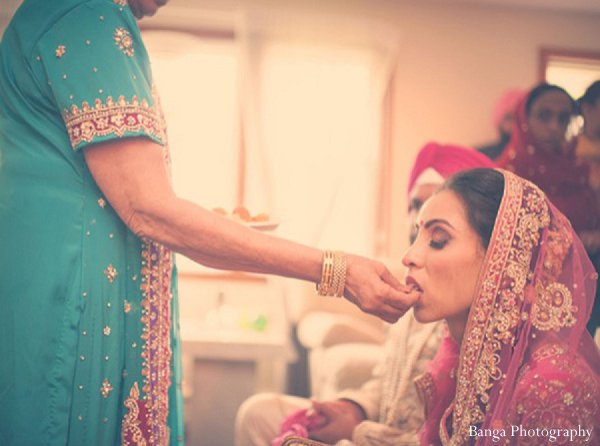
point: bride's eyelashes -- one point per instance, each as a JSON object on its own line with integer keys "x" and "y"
{"x": 439, "y": 239}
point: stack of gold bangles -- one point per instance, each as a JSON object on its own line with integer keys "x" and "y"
{"x": 333, "y": 274}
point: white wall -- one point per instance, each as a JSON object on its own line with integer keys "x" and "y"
{"x": 454, "y": 60}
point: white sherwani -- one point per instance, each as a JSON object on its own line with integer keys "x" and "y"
{"x": 393, "y": 406}
{"x": 390, "y": 399}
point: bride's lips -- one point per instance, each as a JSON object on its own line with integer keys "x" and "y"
{"x": 411, "y": 282}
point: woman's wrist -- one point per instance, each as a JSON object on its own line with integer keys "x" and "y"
{"x": 333, "y": 274}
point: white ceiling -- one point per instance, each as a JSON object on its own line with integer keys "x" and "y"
{"x": 592, "y": 6}
{"x": 585, "y": 6}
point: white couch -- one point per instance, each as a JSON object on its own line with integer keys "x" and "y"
{"x": 342, "y": 350}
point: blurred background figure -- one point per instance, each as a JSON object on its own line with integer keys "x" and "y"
{"x": 540, "y": 152}
{"x": 387, "y": 408}
{"x": 588, "y": 141}
{"x": 588, "y": 150}
{"x": 434, "y": 163}
{"x": 503, "y": 117}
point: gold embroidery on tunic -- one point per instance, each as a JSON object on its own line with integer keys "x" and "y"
{"x": 106, "y": 388}
{"x": 60, "y": 51}
{"x": 131, "y": 433}
{"x": 156, "y": 350}
{"x": 113, "y": 117}
{"x": 124, "y": 41}
{"x": 146, "y": 422}
{"x": 111, "y": 273}
{"x": 149, "y": 414}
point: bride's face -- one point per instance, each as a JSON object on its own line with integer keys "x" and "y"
{"x": 444, "y": 261}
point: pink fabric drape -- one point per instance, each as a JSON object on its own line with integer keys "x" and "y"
{"x": 298, "y": 424}
{"x": 507, "y": 103}
{"x": 439, "y": 386}
{"x": 526, "y": 361}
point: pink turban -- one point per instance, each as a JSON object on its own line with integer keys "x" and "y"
{"x": 507, "y": 104}
{"x": 446, "y": 160}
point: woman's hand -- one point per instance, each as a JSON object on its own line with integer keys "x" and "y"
{"x": 341, "y": 415}
{"x": 142, "y": 8}
{"x": 371, "y": 286}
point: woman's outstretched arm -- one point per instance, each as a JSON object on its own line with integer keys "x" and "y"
{"x": 133, "y": 177}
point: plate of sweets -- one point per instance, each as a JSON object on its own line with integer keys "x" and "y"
{"x": 261, "y": 221}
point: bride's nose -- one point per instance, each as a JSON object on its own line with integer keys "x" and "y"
{"x": 411, "y": 256}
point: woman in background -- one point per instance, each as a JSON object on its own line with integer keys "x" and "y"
{"x": 504, "y": 268}
{"x": 588, "y": 141}
{"x": 540, "y": 152}
{"x": 588, "y": 150}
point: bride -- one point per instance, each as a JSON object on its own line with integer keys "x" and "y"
{"x": 504, "y": 268}
{"x": 497, "y": 261}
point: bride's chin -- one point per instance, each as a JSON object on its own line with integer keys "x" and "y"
{"x": 421, "y": 315}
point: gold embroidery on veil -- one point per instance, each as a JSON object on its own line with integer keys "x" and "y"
{"x": 496, "y": 312}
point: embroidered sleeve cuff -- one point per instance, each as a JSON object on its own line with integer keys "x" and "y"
{"x": 112, "y": 119}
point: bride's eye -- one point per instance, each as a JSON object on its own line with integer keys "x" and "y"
{"x": 439, "y": 239}
{"x": 438, "y": 244}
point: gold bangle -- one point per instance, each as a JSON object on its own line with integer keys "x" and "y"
{"x": 333, "y": 274}
{"x": 326, "y": 274}
{"x": 339, "y": 274}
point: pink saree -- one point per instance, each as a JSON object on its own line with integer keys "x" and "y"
{"x": 528, "y": 372}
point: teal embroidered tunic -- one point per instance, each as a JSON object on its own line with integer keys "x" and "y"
{"x": 89, "y": 350}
